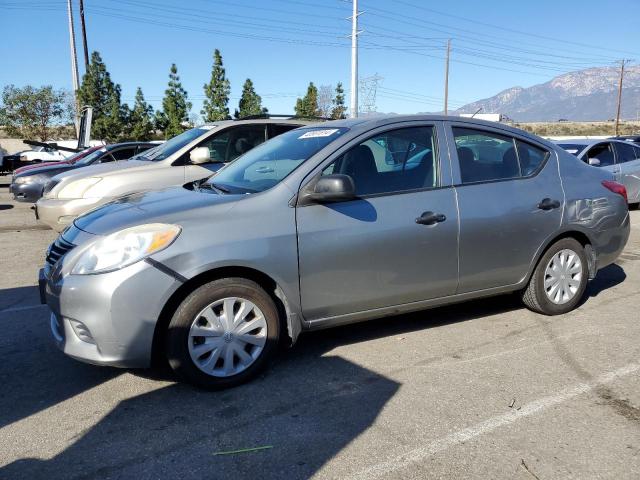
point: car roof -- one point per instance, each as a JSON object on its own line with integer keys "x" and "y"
{"x": 111, "y": 146}
{"x": 253, "y": 121}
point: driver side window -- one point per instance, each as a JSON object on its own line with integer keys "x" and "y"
{"x": 233, "y": 142}
{"x": 395, "y": 161}
{"x": 603, "y": 153}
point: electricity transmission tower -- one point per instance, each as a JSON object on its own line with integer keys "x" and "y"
{"x": 368, "y": 91}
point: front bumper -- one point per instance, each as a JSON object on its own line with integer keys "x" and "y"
{"x": 26, "y": 192}
{"x": 110, "y": 318}
{"x": 59, "y": 213}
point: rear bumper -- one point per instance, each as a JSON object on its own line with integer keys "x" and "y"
{"x": 58, "y": 213}
{"x": 26, "y": 192}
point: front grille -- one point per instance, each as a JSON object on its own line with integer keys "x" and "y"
{"x": 50, "y": 186}
{"x": 57, "y": 250}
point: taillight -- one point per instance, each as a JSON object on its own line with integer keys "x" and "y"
{"x": 615, "y": 187}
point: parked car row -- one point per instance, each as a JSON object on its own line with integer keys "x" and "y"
{"x": 194, "y": 155}
{"x": 323, "y": 225}
{"x": 28, "y": 183}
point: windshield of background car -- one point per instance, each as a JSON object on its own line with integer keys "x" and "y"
{"x": 573, "y": 149}
{"x": 80, "y": 155}
{"x": 172, "y": 145}
{"x": 93, "y": 156}
{"x": 268, "y": 164}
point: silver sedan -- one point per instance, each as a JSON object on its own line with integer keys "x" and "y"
{"x": 621, "y": 158}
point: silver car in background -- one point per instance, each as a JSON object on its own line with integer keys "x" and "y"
{"x": 193, "y": 155}
{"x": 620, "y": 157}
{"x": 328, "y": 225}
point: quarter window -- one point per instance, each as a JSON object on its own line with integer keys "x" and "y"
{"x": 530, "y": 157}
{"x": 394, "y": 161}
{"x": 627, "y": 152}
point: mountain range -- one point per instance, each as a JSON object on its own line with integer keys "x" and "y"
{"x": 584, "y": 95}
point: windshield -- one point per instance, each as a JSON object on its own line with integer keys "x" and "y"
{"x": 93, "y": 156}
{"x": 172, "y": 145}
{"x": 572, "y": 148}
{"x": 268, "y": 164}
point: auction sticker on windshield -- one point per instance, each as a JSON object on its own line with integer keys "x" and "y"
{"x": 318, "y": 133}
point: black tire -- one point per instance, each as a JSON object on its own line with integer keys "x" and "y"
{"x": 634, "y": 206}
{"x": 177, "y": 338}
{"x": 535, "y": 297}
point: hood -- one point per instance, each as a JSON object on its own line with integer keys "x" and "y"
{"x": 175, "y": 205}
{"x": 26, "y": 168}
{"x": 105, "y": 169}
{"x": 48, "y": 170}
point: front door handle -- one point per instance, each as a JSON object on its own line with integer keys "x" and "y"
{"x": 430, "y": 218}
{"x": 548, "y": 204}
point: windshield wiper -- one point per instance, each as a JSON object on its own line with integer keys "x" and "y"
{"x": 217, "y": 186}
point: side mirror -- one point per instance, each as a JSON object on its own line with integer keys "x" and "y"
{"x": 333, "y": 188}
{"x": 594, "y": 162}
{"x": 199, "y": 155}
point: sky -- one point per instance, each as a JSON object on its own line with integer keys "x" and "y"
{"x": 282, "y": 45}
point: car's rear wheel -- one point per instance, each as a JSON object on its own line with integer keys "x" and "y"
{"x": 559, "y": 280}
{"x": 223, "y": 333}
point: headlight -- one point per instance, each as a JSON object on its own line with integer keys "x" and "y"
{"x": 22, "y": 180}
{"x": 78, "y": 188}
{"x": 23, "y": 158}
{"x": 125, "y": 247}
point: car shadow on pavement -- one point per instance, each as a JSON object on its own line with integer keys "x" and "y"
{"x": 607, "y": 278}
{"x": 19, "y": 297}
{"x": 301, "y": 413}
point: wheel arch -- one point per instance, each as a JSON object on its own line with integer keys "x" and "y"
{"x": 289, "y": 321}
{"x": 577, "y": 234}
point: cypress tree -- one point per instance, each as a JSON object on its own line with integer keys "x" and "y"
{"x": 250, "y": 102}
{"x": 307, "y": 106}
{"x": 339, "y": 109}
{"x": 141, "y": 118}
{"x": 215, "y": 106}
{"x": 99, "y": 91}
{"x": 175, "y": 106}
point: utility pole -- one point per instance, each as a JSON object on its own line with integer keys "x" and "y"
{"x": 446, "y": 79}
{"x": 623, "y": 62}
{"x": 354, "y": 59}
{"x": 74, "y": 63}
{"x": 84, "y": 36}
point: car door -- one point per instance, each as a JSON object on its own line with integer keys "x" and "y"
{"x": 224, "y": 147}
{"x": 510, "y": 201}
{"x": 628, "y": 169}
{"x": 370, "y": 252}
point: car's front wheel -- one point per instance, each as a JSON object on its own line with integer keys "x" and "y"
{"x": 559, "y": 280}
{"x": 223, "y": 333}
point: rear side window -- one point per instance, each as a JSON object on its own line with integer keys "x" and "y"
{"x": 485, "y": 156}
{"x": 124, "y": 153}
{"x": 627, "y": 152}
{"x": 394, "y": 161}
{"x": 530, "y": 157}
{"x": 602, "y": 152}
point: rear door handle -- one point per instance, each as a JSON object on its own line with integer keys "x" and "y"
{"x": 430, "y": 218}
{"x": 548, "y": 204}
